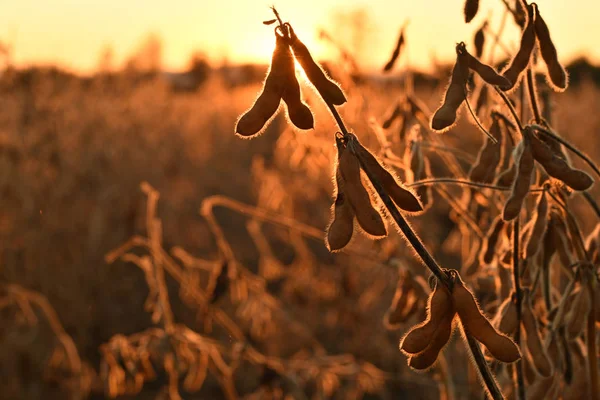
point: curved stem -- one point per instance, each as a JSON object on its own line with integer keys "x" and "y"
{"x": 588, "y": 197}
{"x": 460, "y": 182}
{"x": 533, "y": 102}
{"x": 511, "y": 108}
{"x": 429, "y": 261}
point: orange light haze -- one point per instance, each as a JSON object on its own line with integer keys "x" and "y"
{"x": 72, "y": 33}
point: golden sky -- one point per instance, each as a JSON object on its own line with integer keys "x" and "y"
{"x": 72, "y": 33}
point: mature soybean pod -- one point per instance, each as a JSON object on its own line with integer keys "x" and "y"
{"x": 404, "y": 198}
{"x": 475, "y": 323}
{"x": 405, "y": 300}
{"x": 506, "y": 317}
{"x": 479, "y": 40}
{"x": 367, "y": 216}
{"x": 557, "y": 76}
{"x": 252, "y": 121}
{"x": 488, "y": 248}
{"x": 445, "y": 116}
{"x": 536, "y": 349}
{"x": 298, "y": 112}
{"x": 525, "y": 168}
{"x": 488, "y": 73}
{"x": 439, "y": 306}
{"x": 328, "y": 89}
{"x": 489, "y": 156}
{"x": 471, "y": 7}
{"x": 427, "y": 357}
{"x": 521, "y": 60}
{"x": 341, "y": 228}
{"x": 576, "y": 318}
{"x": 557, "y": 167}
{"x": 536, "y": 235}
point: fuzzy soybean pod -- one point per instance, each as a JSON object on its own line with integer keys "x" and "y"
{"x": 404, "y": 198}
{"x": 404, "y": 301}
{"x": 341, "y": 228}
{"x": 536, "y": 349}
{"x": 253, "y": 121}
{"x": 487, "y": 73}
{"x": 479, "y": 40}
{"x": 521, "y": 60}
{"x": 592, "y": 245}
{"x": 557, "y": 167}
{"x": 445, "y": 116}
{"x": 557, "y": 76}
{"x": 506, "y": 317}
{"x": 475, "y": 323}
{"x": 298, "y": 112}
{"x": 577, "y": 315}
{"x": 488, "y": 248}
{"x": 471, "y": 7}
{"x": 439, "y": 308}
{"x": 427, "y": 357}
{"x": 525, "y": 166}
{"x": 489, "y": 156}
{"x": 367, "y": 216}
{"x": 536, "y": 234}
{"x": 328, "y": 89}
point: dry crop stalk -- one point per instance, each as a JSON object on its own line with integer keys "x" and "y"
{"x": 396, "y": 53}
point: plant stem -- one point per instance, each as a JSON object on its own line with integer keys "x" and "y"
{"x": 423, "y": 253}
{"x": 511, "y": 108}
{"x": 592, "y": 202}
{"x": 433, "y": 266}
{"x": 533, "y": 102}
{"x": 591, "y": 343}
{"x": 518, "y": 300}
{"x": 486, "y": 374}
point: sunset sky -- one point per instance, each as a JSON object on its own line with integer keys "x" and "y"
{"x": 72, "y": 33}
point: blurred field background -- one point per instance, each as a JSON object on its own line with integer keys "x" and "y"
{"x": 75, "y": 151}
